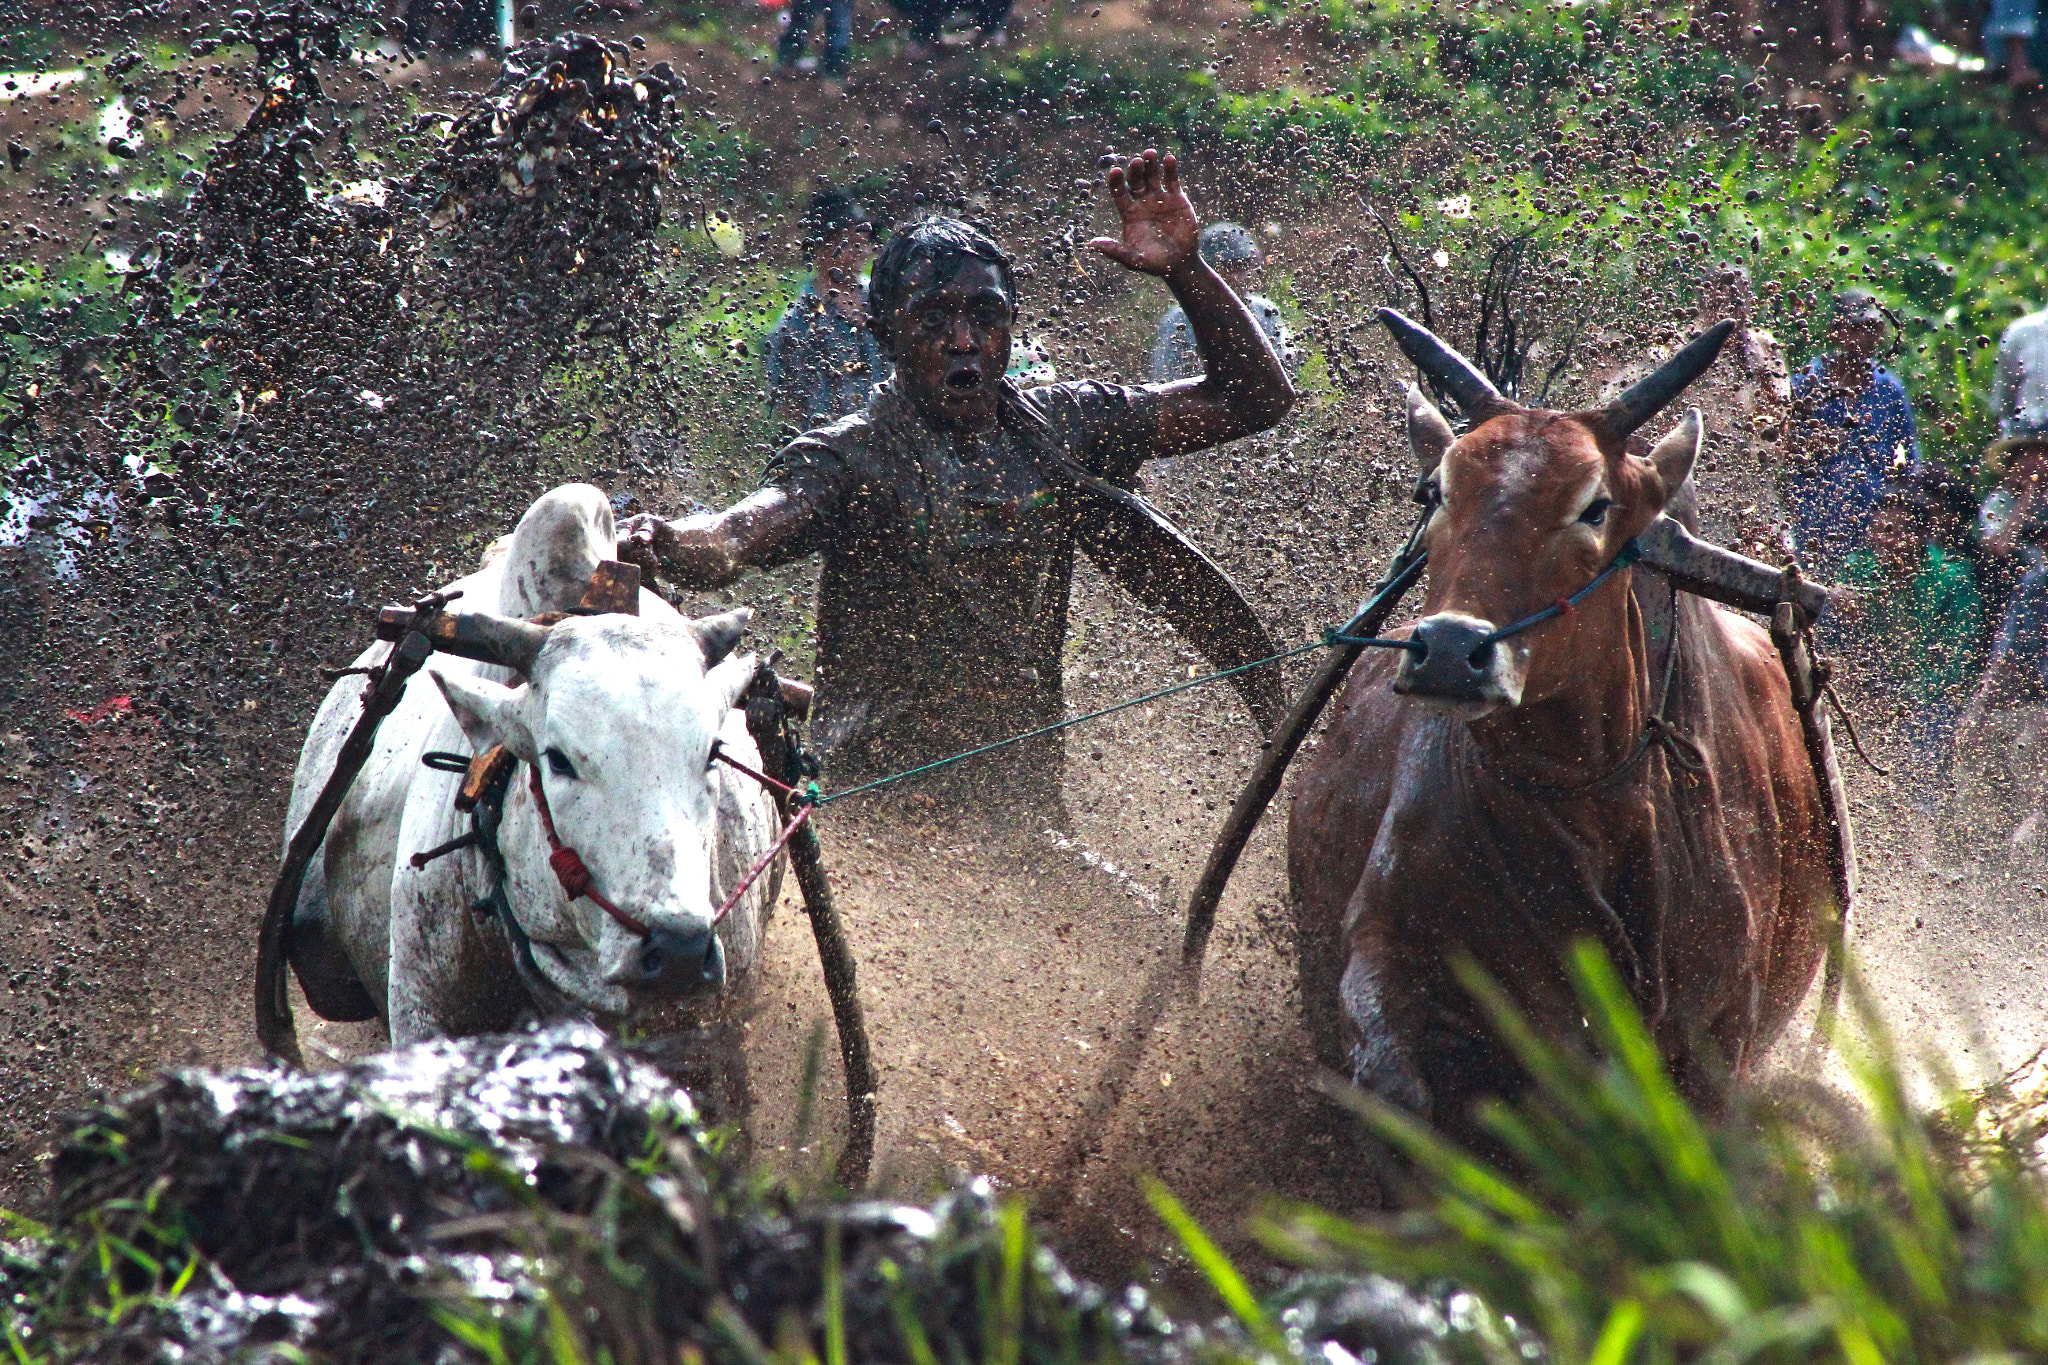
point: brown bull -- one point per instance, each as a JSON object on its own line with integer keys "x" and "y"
{"x": 1500, "y": 795}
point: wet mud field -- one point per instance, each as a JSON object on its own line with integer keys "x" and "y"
{"x": 373, "y": 388}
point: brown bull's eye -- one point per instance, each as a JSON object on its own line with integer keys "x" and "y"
{"x": 559, "y": 764}
{"x": 1596, "y": 512}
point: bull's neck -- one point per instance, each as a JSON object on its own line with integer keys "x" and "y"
{"x": 1586, "y": 729}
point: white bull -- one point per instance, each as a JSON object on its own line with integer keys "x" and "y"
{"x": 619, "y": 714}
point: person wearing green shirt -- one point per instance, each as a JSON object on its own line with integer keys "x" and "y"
{"x": 1918, "y": 612}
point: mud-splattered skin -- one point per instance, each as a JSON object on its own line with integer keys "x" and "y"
{"x": 1426, "y": 829}
{"x": 618, "y": 715}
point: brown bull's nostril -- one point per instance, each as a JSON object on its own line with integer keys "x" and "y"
{"x": 1456, "y": 661}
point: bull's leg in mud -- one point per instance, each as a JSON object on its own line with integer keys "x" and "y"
{"x": 1379, "y": 1053}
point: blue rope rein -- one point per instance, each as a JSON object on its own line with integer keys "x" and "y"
{"x": 1563, "y": 606}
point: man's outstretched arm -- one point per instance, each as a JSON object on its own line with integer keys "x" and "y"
{"x": 713, "y": 549}
{"x": 1244, "y": 388}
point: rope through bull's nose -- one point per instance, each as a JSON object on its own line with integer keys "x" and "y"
{"x": 1563, "y": 606}
{"x": 1334, "y": 637}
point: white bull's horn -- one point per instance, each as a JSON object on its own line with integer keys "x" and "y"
{"x": 720, "y": 635}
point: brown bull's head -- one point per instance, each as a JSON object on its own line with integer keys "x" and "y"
{"x": 1535, "y": 504}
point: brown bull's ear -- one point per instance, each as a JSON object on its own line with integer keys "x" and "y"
{"x": 720, "y": 635}
{"x": 1675, "y": 454}
{"x": 1654, "y": 392}
{"x": 1429, "y": 435}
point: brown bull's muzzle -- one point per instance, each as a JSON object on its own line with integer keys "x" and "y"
{"x": 1460, "y": 667}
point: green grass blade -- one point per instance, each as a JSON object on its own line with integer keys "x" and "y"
{"x": 835, "y": 1297}
{"x": 1217, "y": 1269}
{"x": 1624, "y": 1325}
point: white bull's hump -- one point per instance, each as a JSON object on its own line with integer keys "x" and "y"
{"x": 554, "y": 550}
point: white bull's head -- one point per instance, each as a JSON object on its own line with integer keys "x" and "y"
{"x": 618, "y": 716}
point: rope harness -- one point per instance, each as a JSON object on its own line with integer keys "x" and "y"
{"x": 804, "y": 802}
{"x": 1563, "y": 606}
{"x": 567, "y": 864}
{"x": 1680, "y": 750}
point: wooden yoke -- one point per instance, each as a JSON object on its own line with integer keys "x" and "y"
{"x": 1792, "y": 633}
{"x": 614, "y": 590}
{"x": 1721, "y": 575}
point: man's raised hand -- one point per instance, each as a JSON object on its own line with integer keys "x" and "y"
{"x": 1160, "y": 230}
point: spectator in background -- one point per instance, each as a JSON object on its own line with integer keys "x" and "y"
{"x": 927, "y": 20}
{"x": 821, "y": 358}
{"x": 1234, "y": 254}
{"x": 1852, "y": 429}
{"x": 1917, "y": 608}
{"x": 796, "y": 33}
{"x": 2001, "y": 731}
{"x": 2012, "y": 520}
{"x": 2008, "y": 33}
{"x": 2019, "y": 385}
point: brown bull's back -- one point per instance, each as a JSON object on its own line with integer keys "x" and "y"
{"x": 1408, "y": 845}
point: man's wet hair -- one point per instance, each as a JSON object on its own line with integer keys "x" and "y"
{"x": 1856, "y": 307}
{"x": 943, "y": 243}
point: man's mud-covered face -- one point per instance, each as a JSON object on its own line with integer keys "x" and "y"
{"x": 951, "y": 342}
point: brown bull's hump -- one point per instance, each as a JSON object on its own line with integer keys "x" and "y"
{"x": 1407, "y": 846}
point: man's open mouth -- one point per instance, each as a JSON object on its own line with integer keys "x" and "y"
{"x": 965, "y": 378}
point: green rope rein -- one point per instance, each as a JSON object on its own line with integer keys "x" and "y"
{"x": 950, "y": 760}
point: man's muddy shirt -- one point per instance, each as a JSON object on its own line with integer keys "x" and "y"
{"x": 948, "y": 561}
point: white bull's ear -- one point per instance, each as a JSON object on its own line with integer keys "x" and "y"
{"x": 720, "y": 635}
{"x": 1429, "y": 435}
{"x": 1674, "y": 455}
{"x": 730, "y": 680}
{"x": 490, "y": 713}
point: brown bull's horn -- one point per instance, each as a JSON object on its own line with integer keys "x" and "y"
{"x": 1649, "y": 396}
{"x": 1456, "y": 375}
{"x": 481, "y": 635}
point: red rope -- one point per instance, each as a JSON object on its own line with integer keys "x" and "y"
{"x": 803, "y": 813}
{"x": 570, "y": 871}
{"x": 719, "y": 755}
{"x": 569, "y": 868}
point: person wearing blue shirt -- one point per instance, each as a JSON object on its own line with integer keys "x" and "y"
{"x": 1853, "y": 428}
{"x": 821, "y": 359}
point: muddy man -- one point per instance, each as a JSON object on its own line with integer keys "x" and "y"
{"x": 948, "y": 511}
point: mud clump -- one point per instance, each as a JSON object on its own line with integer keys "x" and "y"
{"x": 502, "y": 1184}
{"x": 493, "y": 1181}
{"x": 561, "y": 162}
